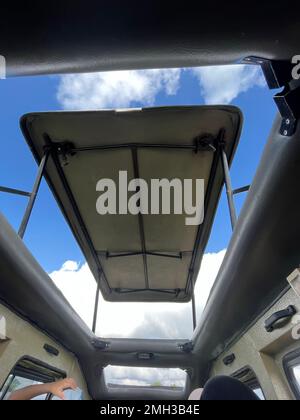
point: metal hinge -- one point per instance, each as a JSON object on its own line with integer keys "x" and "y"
{"x": 64, "y": 150}
{"x": 278, "y": 74}
{"x": 205, "y": 143}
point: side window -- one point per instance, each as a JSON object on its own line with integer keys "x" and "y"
{"x": 248, "y": 377}
{"x": 291, "y": 364}
{"x": 29, "y": 372}
{"x": 14, "y": 383}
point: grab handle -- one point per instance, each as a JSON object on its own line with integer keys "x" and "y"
{"x": 270, "y": 323}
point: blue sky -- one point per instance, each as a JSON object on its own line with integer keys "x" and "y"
{"x": 48, "y": 236}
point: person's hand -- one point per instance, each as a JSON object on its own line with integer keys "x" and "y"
{"x": 58, "y": 388}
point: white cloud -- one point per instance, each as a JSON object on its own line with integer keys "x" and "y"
{"x": 116, "y": 89}
{"x": 220, "y": 85}
{"x": 79, "y": 287}
{"x": 135, "y": 320}
{"x": 122, "y": 375}
{"x": 70, "y": 266}
{"x": 122, "y": 89}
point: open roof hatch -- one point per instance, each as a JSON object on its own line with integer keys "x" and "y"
{"x": 148, "y": 258}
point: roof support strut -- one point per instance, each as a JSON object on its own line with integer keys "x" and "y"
{"x": 96, "y": 306}
{"x": 229, "y": 189}
{"x": 194, "y": 310}
{"x": 33, "y": 194}
{"x": 232, "y": 210}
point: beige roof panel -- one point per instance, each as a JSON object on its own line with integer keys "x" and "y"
{"x": 150, "y": 258}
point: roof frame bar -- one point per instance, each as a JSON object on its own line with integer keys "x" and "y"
{"x": 140, "y": 217}
{"x": 205, "y": 143}
{"x": 167, "y": 291}
{"x": 14, "y": 191}
{"x": 31, "y": 195}
{"x": 108, "y": 255}
{"x": 241, "y": 190}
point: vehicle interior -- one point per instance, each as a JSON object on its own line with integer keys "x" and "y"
{"x": 247, "y": 330}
